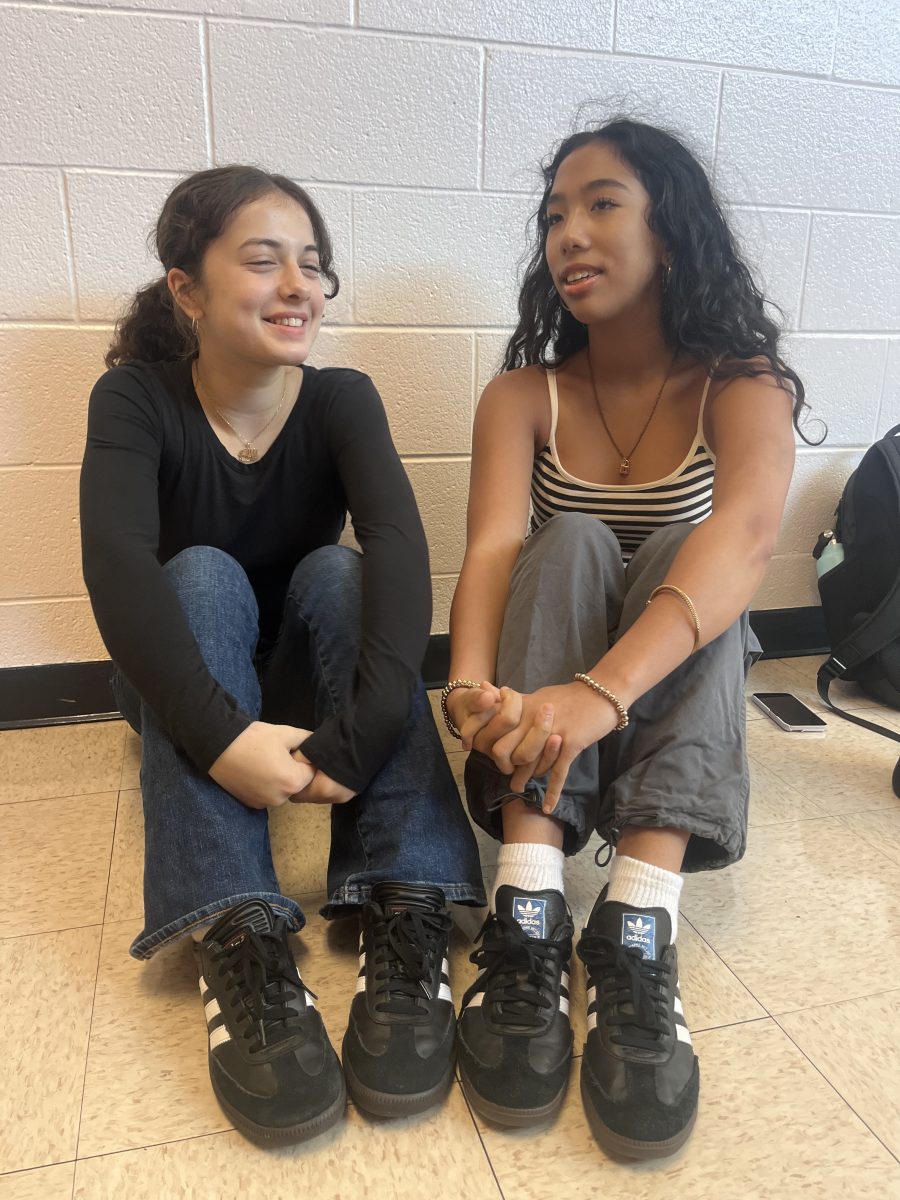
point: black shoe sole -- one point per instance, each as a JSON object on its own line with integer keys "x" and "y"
{"x": 513, "y": 1118}
{"x": 619, "y": 1146}
{"x": 283, "y": 1135}
{"x": 393, "y": 1104}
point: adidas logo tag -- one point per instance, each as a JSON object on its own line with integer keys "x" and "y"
{"x": 639, "y": 933}
{"x": 531, "y": 915}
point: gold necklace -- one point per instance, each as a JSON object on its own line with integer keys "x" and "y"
{"x": 249, "y": 454}
{"x": 625, "y": 463}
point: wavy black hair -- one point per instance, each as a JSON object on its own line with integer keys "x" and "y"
{"x": 154, "y": 329}
{"x": 711, "y": 306}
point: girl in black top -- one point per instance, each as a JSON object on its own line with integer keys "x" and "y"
{"x": 262, "y": 662}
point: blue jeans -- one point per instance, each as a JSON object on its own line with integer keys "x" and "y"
{"x": 204, "y": 850}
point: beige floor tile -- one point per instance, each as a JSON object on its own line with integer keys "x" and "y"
{"x": 846, "y": 771}
{"x": 301, "y": 837}
{"x": 437, "y": 1154}
{"x": 131, "y": 761}
{"x": 54, "y": 863}
{"x": 125, "y": 893}
{"x": 773, "y": 800}
{"x": 46, "y": 991}
{"x": 856, "y": 1046}
{"x": 775, "y": 1132}
{"x": 60, "y": 760}
{"x": 43, "y": 1183}
{"x": 787, "y": 918}
{"x": 147, "y": 1078}
{"x": 879, "y": 829}
{"x": 772, "y": 675}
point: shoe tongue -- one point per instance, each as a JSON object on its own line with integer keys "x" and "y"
{"x": 250, "y": 914}
{"x": 538, "y": 913}
{"x": 645, "y": 929}
{"x": 398, "y": 897}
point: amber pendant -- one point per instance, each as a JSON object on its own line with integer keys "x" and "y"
{"x": 249, "y": 454}
{"x": 624, "y": 467}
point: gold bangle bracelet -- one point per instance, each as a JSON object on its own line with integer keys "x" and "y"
{"x": 451, "y": 687}
{"x": 685, "y": 599}
{"x": 607, "y": 695}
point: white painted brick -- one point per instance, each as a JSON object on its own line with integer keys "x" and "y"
{"x": 441, "y": 490}
{"x": 791, "y": 141}
{"x": 425, "y": 380}
{"x": 789, "y": 582}
{"x": 386, "y": 110}
{"x": 34, "y": 271}
{"x": 868, "y": 41}
{"x": 533, "y": 102}
{"x": 46, "y": 376}
{"x": 842, "y": 377}
{"x": 798, "y": 36}
{"x": 437, "y": 259}
{"x": 851, "y": 280}
{"x": 49, "y": 631}
{"x": 329, "y": 12}
{"x": 39, "y": 542}
{"x": 819, "y": 478}
{"x": 113, "y": 220}
{"x": 889, "y": 416}
{"x": 98, "y": 89}
{"x": 582, "y": 24}
{"x": 774, "y": 244}
{"x": 489, "y": 349}
{"x": 442, "y": 588}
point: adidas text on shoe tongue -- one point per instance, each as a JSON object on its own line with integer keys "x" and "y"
{"x": 531, "y": 914}
{"x": 639, "y": 933}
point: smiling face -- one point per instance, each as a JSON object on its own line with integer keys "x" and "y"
{"x": 260, "y": 297}
{"x": 604, "y": 259}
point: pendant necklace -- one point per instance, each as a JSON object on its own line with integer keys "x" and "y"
{"x": 625, "y": 459}
{"x": 249, "y": 454}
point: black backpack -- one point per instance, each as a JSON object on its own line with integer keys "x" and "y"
{"x": 861, "y": 595}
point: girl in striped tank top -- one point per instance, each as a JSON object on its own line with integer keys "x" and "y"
{"x": 641, "y": 432}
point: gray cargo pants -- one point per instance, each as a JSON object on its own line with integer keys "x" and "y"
{"x": 681, "y": 762}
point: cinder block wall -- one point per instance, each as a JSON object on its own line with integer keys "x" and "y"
{"x": 418, "y": 124}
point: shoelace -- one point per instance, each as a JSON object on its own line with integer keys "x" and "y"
{"x": 630, "y": 981}
{"x": 260, "y": 970}
{"x": 406, "y": 946}
{"x": 517, "y": 971}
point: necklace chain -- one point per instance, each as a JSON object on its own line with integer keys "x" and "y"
{"x": 625, "y": 459}
{"x": 249, "y": 454}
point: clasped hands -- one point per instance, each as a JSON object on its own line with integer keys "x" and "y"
{"x": 264, "y": 767}
{"x": 527, "y": 734}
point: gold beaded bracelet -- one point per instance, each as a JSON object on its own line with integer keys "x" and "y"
{"x": 607, "y": 695}
{"x": 685, "y": 599}
{"x": 451, "y": 687}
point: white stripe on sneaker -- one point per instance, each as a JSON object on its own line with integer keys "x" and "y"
{"x": 679, "y": 1007}
{"x": 212, "y": 1010}
{"x": 476, "y": 1000}
{"x": 444, "y": 993}
{"x": 218, "y": 1036}
{"x": 592, "y": 1021}
{"x": 360, "y": 984}
{"x": 564, "y": 1006}
{"x": 683, "y": 1034}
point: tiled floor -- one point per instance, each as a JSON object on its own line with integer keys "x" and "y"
{"x": 790, "y": 966}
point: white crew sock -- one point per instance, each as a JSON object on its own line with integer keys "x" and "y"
{"x": 640, "y": 884}
{"x": 531, "y": 866}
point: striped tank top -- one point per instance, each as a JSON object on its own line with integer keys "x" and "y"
{"x": 632, "y": 511}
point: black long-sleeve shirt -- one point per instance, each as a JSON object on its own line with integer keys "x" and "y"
{"x": 156, "y": 479}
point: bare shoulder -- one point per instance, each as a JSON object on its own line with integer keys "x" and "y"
{"x": 766, "y": 384}
{"x": 519, "y": 397}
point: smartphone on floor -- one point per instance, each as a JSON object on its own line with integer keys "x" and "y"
{"x": 788, "y": 712}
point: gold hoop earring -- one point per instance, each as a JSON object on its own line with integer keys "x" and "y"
{"x": 667, "y": 277}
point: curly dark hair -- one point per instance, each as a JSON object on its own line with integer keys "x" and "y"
{"x": 154, "y": 329}
{"x": 711, "y": 307}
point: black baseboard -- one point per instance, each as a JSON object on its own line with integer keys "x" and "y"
{"x": 62, "y": 693}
